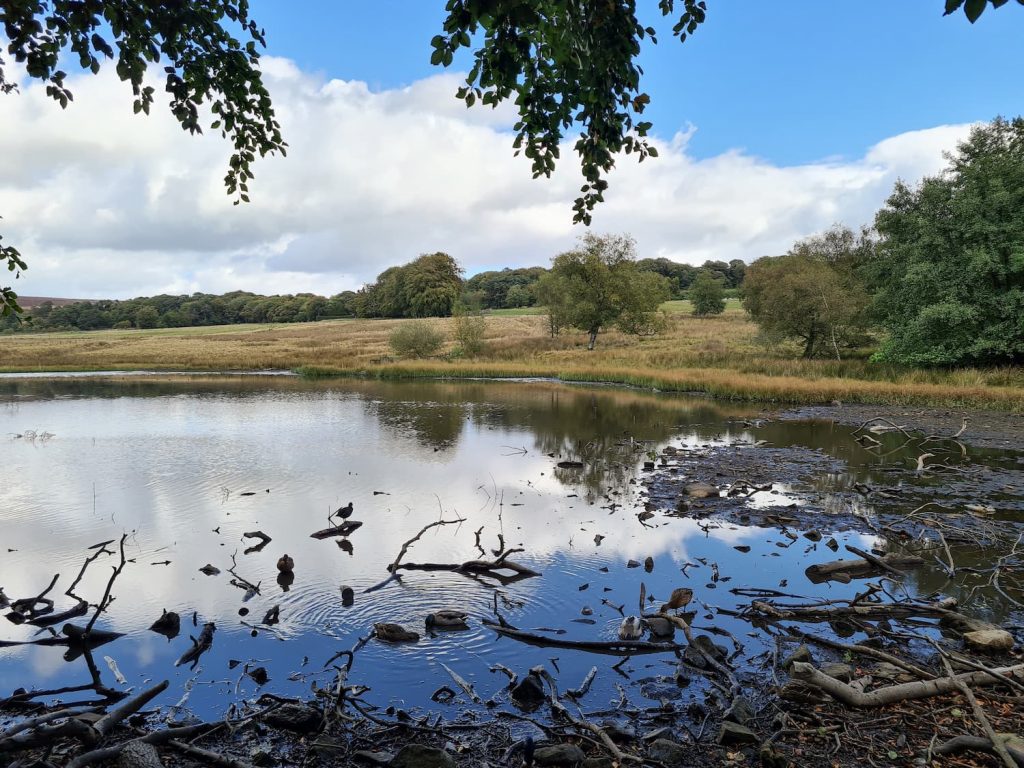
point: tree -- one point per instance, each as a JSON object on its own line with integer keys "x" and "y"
{"x": 707, "y": 295}
{"x": 949, "y": 271}
{"x": 804, "y": 295}
{"x": 598, "y": 284}
{"x": 147, "y": 317}
{"x": 203, "y": 61}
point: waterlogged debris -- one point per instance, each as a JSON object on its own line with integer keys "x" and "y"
{"x": 258, "y": 675}
{"x": 348, "y": 596}
{"x": 263, "y": 541}
{"x": 742, "y": 548}
{"x": 344, "y": 529}
{"x": 633, "y": 564}
{"x": 598, "y": 538}
{"x": 210, "y": 570}
{"x": 649, "y": 564}
{"x": 115, "y": 670}
{"x": 570, "y": 465}
{"x": 168, "y": 625}
{"x": 200, "y": 646}
{"x": 702, "y": 491}
{"x": 271, "y": 617}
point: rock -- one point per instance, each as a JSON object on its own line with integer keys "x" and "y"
{"x": 422, "y": 756}
{"x": 261, "y": 757}
{"x": 373, "y": 758}
{"x": 802, "y": 653}
{"x": 633, "y": 564}
{"x": 734, "y": 733}
{"x": 813, "y": 535}
{"x": 137, "y": 754}
{"x": 559, "y": 754}
{"x": 991, "y": 640}
{"x": 528, "y": 693}
{"x": 701, "y": 490}
{"x": 842, "y": 672}
{"x": 599, "y": 762}
{"x": 740, "y": 712}
{"x": 832, "y": 544}
{"x": 700, "y": 646}
{"x": 298, "y": 718}
{"x": 618, "y": 732}
{"x": 668, "y": 752}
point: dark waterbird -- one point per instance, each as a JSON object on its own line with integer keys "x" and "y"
{"x": 344, "y": 512}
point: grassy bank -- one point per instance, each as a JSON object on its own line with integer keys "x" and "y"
{"x": 720, "y": 356}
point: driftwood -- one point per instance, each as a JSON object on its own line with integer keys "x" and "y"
{"x": 861, "y": 568}
{"x": 489, "y": 568}
{"x": 764, "y": 611}
{"x": 610, "y": 647}
{"x": 393, "y": 568}
{"x": 346, "y": 527}
{"x": 920, "y": 689}
{"x": 263, "y": 541}
{"x": 200, "y": 646}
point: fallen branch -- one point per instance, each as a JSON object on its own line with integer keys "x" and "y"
{"x": 393, "y": 568}
{"x": 611, "y": 647}
{"x": 881, "y": 697}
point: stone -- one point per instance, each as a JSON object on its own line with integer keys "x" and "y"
{"x": 422, "y": 756}
{"x": 702, "y": 646}
{"x": 740, "y": 711}
{"x": 668, "y": 752}
{"x": 802, "y": 653}
{"x": 298, "y": 718}
{"x": 137, "y": 754}
{"x": 599, "y": 762}
{"x": 373, "y": 758}
{"x": 618, "y": 732}
{"x": 528, "y": 693}
{"x": 734, "y": 733}
{"x": 814, "y": 535}
{"x": 559, "y": 754}
{"x": 841, "y": 672}
{"x": 701, "y": 490}
{"x": 991, "y": 640}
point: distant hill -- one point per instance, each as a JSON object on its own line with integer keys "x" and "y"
{"x": 28, "y": 302}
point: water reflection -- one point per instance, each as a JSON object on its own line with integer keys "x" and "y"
{"x": 187, "y": 465}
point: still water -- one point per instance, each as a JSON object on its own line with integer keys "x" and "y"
{"x": 185, "y": 465}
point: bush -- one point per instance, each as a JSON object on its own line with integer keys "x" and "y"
{"x": 415, "y": 339}
{"x": 469, "y": 333}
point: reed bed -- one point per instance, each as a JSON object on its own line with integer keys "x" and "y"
{"x": 720, "y": 356}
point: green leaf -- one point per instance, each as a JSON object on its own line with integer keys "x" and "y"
{"x": 652, "y": 151}
{"x": 974, "y": 9}
{"x": 893, "y": 754}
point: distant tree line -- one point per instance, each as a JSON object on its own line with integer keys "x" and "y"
{"x": 177, "y": 311}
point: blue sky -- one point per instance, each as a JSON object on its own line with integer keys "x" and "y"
{"x": 792, "y": 82}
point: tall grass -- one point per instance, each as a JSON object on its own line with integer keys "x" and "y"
{"x": 721, "y": 356}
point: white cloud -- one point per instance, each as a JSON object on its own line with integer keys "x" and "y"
{"x": 104, "y": 203}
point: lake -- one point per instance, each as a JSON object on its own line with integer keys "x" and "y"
{"x": 186, "y": 464}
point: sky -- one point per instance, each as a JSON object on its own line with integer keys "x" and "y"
{"x": 774, "y": 121}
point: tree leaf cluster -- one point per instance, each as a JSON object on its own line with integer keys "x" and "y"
{"x": 429, "y": 286}
{"x": 949, "y": 270}
{"x": 598, "y": 284}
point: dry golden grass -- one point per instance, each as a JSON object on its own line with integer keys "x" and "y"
{"x": 720, "y": 355}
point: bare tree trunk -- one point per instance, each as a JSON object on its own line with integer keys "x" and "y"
{"x": 593, "y": 339}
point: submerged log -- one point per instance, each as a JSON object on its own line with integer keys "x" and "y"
{"x": 344, "y": 529}
{"x": 611, "y": 647}
{"x": 200, "y": 646}
{"x": 859, "y": 568}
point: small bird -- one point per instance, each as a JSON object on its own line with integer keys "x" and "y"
{"x": 446, "y": 619}
{"x": 631, "y": 628}
{"x": 344, "y": 512}
{"x": 394, "y": 633}
{"x": 285, "y": 564}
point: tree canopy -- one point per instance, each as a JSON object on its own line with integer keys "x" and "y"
{"x": 430, "y": 286}
{"x": 707, "y": 295}
{"x": 598, "y": 284}
{"x": 813, "y": 293}
{"x": 949, "y": 273}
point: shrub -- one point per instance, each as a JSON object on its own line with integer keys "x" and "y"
{"x": 415, "y": 339}
{"x": 469, "y": 333}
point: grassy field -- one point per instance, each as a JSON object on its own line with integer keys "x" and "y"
{"x": 721, "y": 356}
